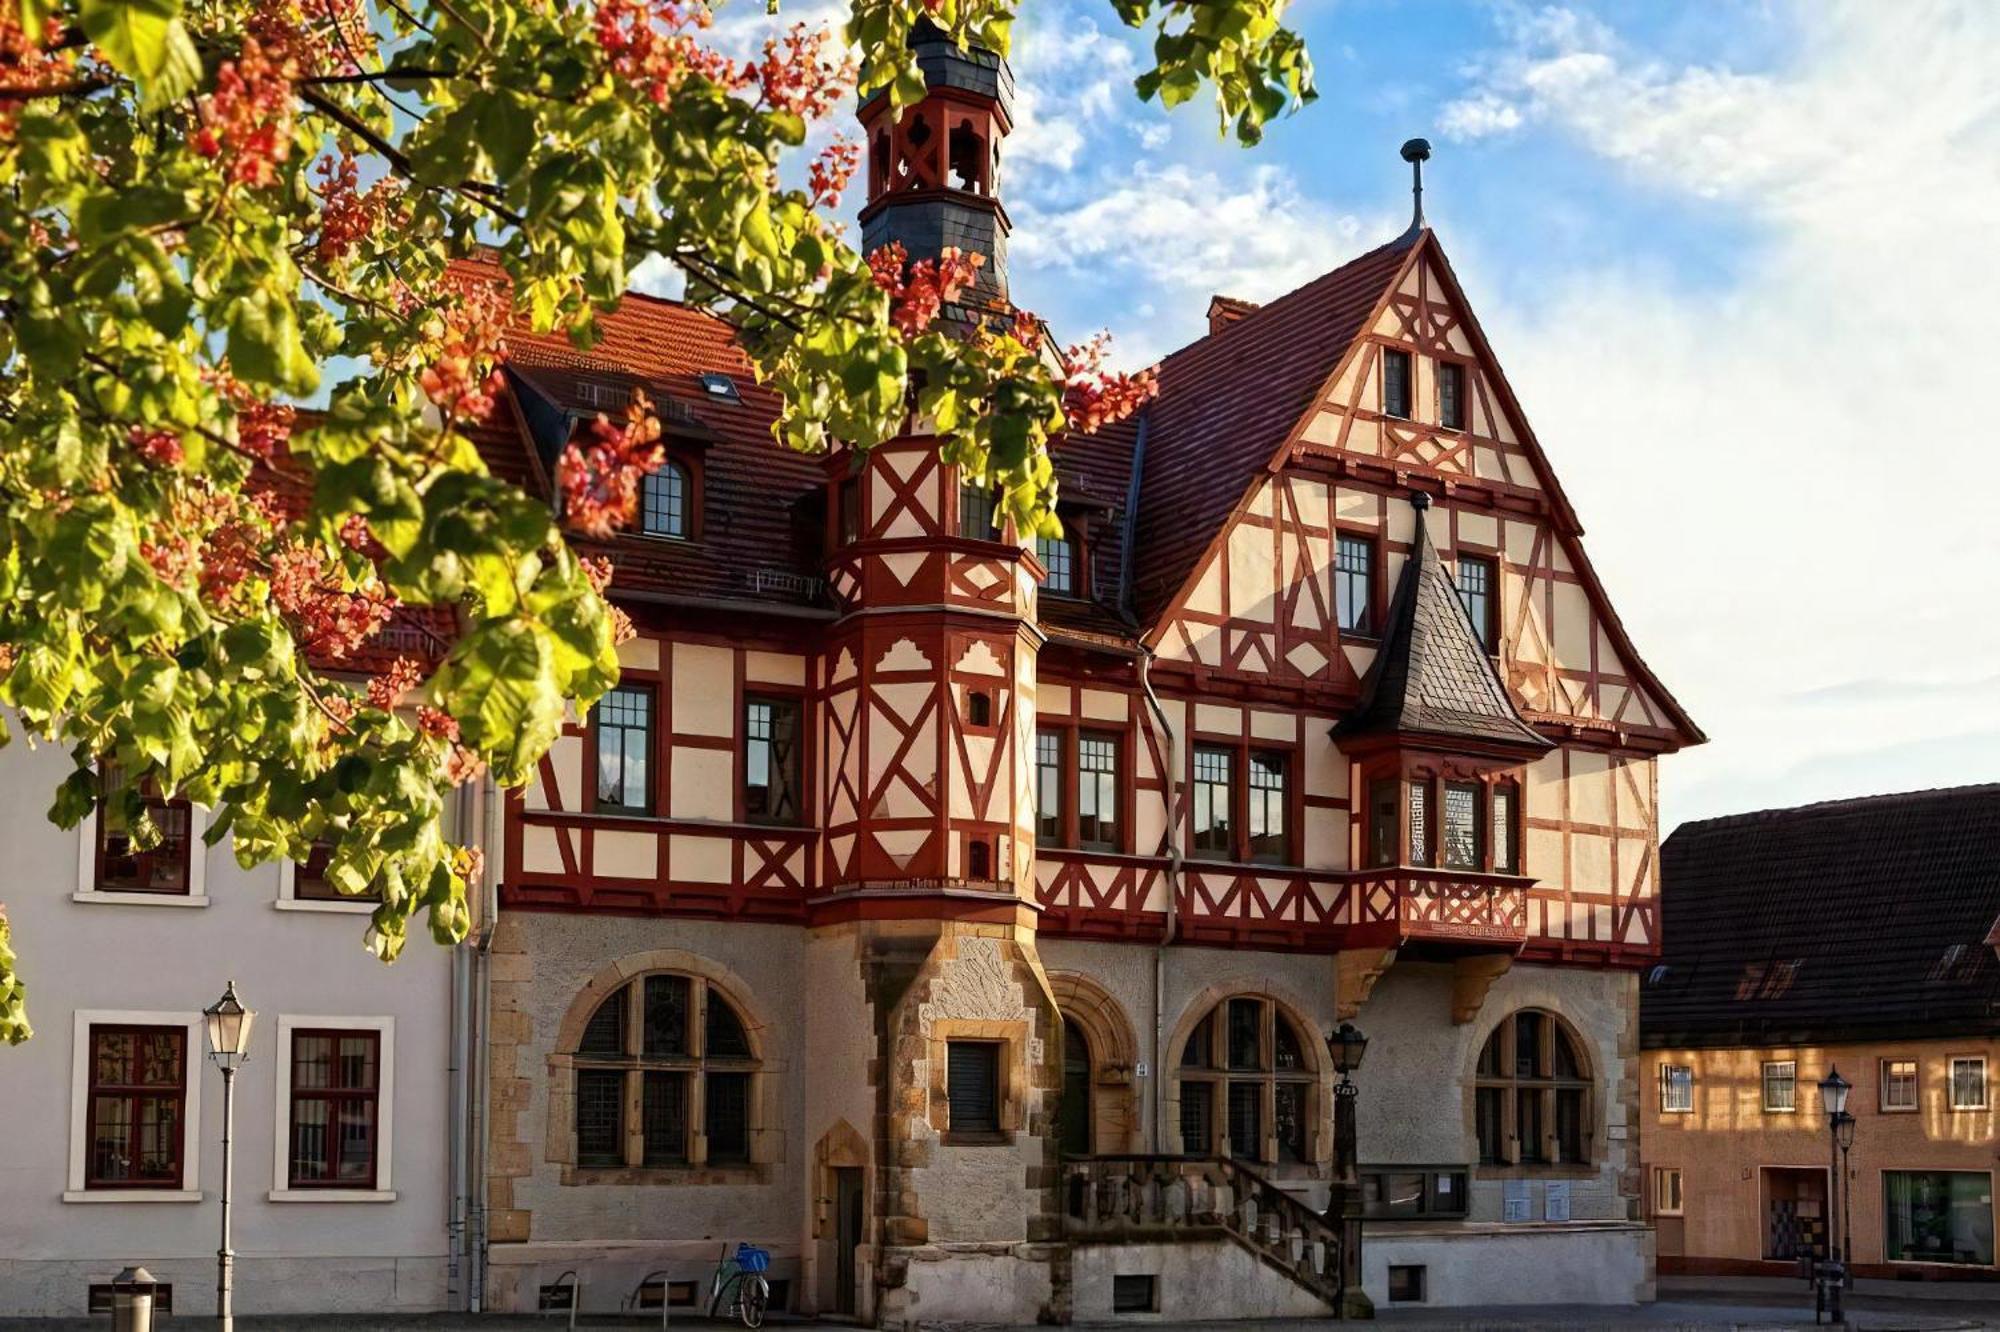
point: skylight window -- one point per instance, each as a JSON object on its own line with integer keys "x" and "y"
{"x": 720, "y": 385}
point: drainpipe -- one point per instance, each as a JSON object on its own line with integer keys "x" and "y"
{"x": 487, "y": 817}
{"x": 456, "y": 1072}
{"x": 1173, "y": 852}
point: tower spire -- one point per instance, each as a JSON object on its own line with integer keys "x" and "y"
{"x": 1416, "y": 152}
{"x": 934, "y": 168}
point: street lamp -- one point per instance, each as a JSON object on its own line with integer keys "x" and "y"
{"x": 228, "y": 1023}
{"x": 1833, "y": 1090}
{"x": 1344, "y": 1199}
{"x": 1843, "y": 1133}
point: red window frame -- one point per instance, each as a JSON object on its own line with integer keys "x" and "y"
{"x": 133, "y": 1092}
{"x": 1240, "y": 751}
{"x": 333, "y": 1097}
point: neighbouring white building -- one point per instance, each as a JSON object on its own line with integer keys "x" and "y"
{"x": 345, "y": 1124}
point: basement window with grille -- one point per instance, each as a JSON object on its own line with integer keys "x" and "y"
{"x": 1406, "y": 1283}
{"x": 1135, "y": 1294}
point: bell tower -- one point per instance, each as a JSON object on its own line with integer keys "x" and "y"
{"x": 934, "y": 171}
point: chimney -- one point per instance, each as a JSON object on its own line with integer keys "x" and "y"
{"x": 1226, "y": 310}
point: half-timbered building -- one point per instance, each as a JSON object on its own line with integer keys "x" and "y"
{"x": 963, "y": 918}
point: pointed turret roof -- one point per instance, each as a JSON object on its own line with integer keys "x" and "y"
{"x": 1432, "y": 676}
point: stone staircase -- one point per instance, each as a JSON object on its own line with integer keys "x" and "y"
{"x": 1140, "y": 1199}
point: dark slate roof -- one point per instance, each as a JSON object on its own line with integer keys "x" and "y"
{"x": 1432, "y": 676}
{"x": 1852, "y": 920}
{"x": 1228, "y": 401}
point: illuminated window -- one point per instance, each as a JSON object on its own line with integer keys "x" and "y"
{"x": 1899, "y": 1084}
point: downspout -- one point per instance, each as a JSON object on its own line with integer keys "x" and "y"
{"x": 1173, "y": 852}
{"x": 487, "y": 816}
{"x": 459, "y": 1160}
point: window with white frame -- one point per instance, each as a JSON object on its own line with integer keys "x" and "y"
{"x": 1667, "y": 1191}
{"x": 135, "y": 1107}
{"x": 1899, "y": 1085}
{"x": 1968, "y": 1082}
{"x": 1781, "y": 1081}
{"x": 1676, "y": 1089}
{"x": 147, "y": 853}
{"x": 336, "y": 1082}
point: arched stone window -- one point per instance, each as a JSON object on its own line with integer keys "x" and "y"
{"x": 1532, "y": 1093}
{"x": 1249, "y": 1084}
{"x": 665, "y": 1076}
{"x": 1099, "y": 1110}
{"x": 667, "y": 501}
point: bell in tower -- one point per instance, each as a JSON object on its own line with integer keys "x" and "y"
{"x": 934, "y": 172}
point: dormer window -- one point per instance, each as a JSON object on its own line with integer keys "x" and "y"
{"x": 1451, "y": 395}
{"x": 718, "y": 385}
{"x": 1396, "y": 384}
{"x": 667, "y": 502}
{"x": 1060, "y": 556}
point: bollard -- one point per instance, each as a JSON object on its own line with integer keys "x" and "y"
{"x": 132, "y": 1300}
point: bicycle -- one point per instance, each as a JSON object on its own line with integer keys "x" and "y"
{"x": 737, "y": 1288}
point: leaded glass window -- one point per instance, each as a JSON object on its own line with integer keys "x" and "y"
{"x": 1247, "y": 1058}
{"x": 623, "y": 722}
{"x": 1506, "y": 822}
{"x": 1420, "y": 823}
{"x": 1213, "y": 799}
{"x": 1461, "y": 825}
{"x": 1097, "y": 792}
{"x": 1532, "y": 1093}
{"x": 1354, "y": 584}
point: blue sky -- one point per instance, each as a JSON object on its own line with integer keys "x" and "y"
{"x": 1736, "y": 259}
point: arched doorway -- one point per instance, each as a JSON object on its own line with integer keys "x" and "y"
{"x": 1073, "y": 1115}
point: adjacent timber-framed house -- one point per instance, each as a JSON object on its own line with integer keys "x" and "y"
{"x": 929, "y": 906}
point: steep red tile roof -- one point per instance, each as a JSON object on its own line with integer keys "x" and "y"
{"x": 1227, "y": 402}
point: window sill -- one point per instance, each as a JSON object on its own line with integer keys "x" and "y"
{"x": 113, "y": 898}
{"x": 358, "y": 907}
{"x": 131, "y": 1195}
{"x": 332, "y": 1195}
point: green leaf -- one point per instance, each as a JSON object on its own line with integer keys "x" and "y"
{"x": 133, "y": 34}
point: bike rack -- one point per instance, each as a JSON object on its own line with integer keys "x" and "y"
{"x": 575, "y": 1295}
{"x": 666, "y": 1293}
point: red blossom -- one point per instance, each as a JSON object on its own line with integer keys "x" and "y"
{"x": 1095, "y": 397}
{"x": 26, "y": 66}
{"x": 600, "y": 484}
{"x": 461, "y": 765}
{"x": 464, "y": 380}
{"x": 387, "y": 689}
{"x": 321, "y": 36}
{"x": 438, "y": 725}
{"x": 349, "y": 215}
{"x": 831, "y": 171}
{"x": 796, "y": 76}
{"x": 598, "y": 569}
{"x": 652, "y": 47}
{"x": 246, "y": 123}
{"x": 919, "y": 293}
{"x": 162, "y": 448}
{"x": 329, "y": 620}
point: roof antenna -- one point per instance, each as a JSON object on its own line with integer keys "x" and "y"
{"x": 1417, "y": 152}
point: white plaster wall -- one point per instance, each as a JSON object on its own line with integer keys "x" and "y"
{"x": 1196, "y": 1281}
{"x": 1605, "y": 1263}
{"x": 291, "y": 1257}
{"x": 947, "y": 1286}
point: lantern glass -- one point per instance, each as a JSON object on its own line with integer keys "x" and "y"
{"x": 1843, "y": 1130}
{"x": 1833, "y": 1091}
{"x": 1349, "y": 1045}
{"x": 229, "y": 1024}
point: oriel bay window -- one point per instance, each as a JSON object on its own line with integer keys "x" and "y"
{"x": 1532, "y": 1093}
{"x": 773, "y": 739}
{"x": 622, "y": 725}
{"x": 665, "y": 1077}
{"x": 1241, "y": 804}
{"x": 1248, "y": 1085}
{"x": 1469, "y": 823}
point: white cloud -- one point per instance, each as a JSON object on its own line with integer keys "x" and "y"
{"x": 1182, "y": 235}
{"x": 1479, "y": 116}
{"x": 1791, "y": 477}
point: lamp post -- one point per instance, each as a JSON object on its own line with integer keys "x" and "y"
{"x": 1343, "y": 1209}
{"x": 228, "y": 1024}
{"x": 1833, "y": 1091}
{"x": 1843, "y": 1133}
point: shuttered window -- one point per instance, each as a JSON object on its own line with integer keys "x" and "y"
{"x": 972, "y": 1085}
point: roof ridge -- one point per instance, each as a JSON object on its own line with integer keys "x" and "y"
{"x": 1841, "y": 804}
{"x": 1260, "y": 312}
